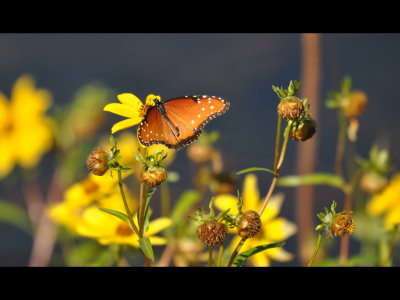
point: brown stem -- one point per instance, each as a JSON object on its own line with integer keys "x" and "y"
{"x": 345, "y": 241}
{"x": 166, "y": 256}
{"x": 307, "y": 151}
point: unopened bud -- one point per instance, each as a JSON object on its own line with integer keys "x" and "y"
{"x": 290, "y": 108}
{"x": 154, "y": 176}
{"x": 212, "y": 233}
{"x": 249, "y": 224}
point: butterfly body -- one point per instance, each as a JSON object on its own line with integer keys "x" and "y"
{"x": 179, "y": 121}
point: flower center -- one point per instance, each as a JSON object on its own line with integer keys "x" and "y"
{"x": 124, "y": 230}
{"x": 143, "y": 110}
{"x": 89, "y": 186}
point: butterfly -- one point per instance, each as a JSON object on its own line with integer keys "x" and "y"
{"x": 179, "y": 121}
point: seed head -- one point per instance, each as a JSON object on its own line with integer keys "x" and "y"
{"x": 304, "y": 131}
{"x": 249, "y": 224}
{"x": 212, "y": 233}
{"x": 154, "y": 175}
{"x": 342, "y": 224}
{"x": 97, "y": 162}
{"x": 354, "y": 104}
{"x": 290, "y": 108}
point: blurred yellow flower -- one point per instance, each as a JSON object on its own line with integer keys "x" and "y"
{"x": 26, "y": 133}
{"x": 274, "y": 229}
{"x": 93, "y": 191}
{"x": 130, "y": 107}
{"x": 108, "y": 229}
{"x": 387, "y": 203}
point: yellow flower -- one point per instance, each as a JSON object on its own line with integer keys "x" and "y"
{"x": 130, "y": 107}
{"x": 108, "y": 229}
{"x": 274, "y": 229}
{"x": 26, "y": 133}
{"x": 387, "y": 203}
{"x": 92, "y": 191}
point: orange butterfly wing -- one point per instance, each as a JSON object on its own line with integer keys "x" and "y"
{"x": 184, "y": 120}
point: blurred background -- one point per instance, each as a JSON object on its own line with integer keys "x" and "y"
{"x": 238, "y": 67}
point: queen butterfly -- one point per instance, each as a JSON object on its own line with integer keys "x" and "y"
{"x": 179, "y": 121}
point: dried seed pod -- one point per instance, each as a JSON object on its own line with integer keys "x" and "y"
{"x": 373, "y": 183}
{"x": 249, "y": 224}
{"x": 304, "y": 131}
{"x": 154, "y": 176}
{"x": 290, "y": 108}
{"x": 354, "y": 104}
{"x": 342, "y": 224}
{"x": 212, "y": 233}
{"x": 199, "y": 153}
{"x": 97, "y": 162}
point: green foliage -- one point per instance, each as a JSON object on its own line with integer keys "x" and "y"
{"x": 15, "y": 215}
{"x": 312, "y": 179}
{"x": 146, "y": 247}
{"x": 294, "y": 86}
{"x": 379, "y": 161}
{"x": 115, "y": 213}
{"x": 252, "y": 169}
{"x": 242, "y": 258}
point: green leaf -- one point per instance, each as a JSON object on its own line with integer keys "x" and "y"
{"x": 15, "y": 215}
{"x": 254, "y": 169}
{"x": 147, "y": 210}
{"x": 117, "y": 214}
{"x": 146, "y": 247}
{"x": 312, "y": 179}
{"x": 241, "y": 259}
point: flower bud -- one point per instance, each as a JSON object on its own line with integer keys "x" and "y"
{"x": 342, "y": 224}
{"x": 373, "y": 183}
{"x": 304, "y": 131}
{"x": 249, "y": 224}
{"x": 97, "y": 162}
{"x": 199, "y": 153}
{"x": 212, "y": 233}
{"x": 290, "y": 108}
{"x": 154, "y": 176}
{"x": 354, "y": 104}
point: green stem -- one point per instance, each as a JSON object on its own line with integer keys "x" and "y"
{"x": 128, "y": 211}
{"x": 210, "y": 255}
{"x": 277, "y": 143}
{"x": 220, "y": 252}
{"x": 316, "y": 249}
{"x": 277, "y": 166}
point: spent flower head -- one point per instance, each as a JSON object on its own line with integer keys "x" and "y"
{"x": 335, "y": 224}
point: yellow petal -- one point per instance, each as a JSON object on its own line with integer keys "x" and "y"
{"x": 156, "y": 240}
{"x": 158, "y": 225}
{"x": 279, "y": 229}
{"x": 150, "y": 99}
{"x": 251, "y": 195}
{"x": 225, "y": 201}
{"x": 260, "y": 260}
{"x": 4, "y": 111}
{"x": 273, "y": 207}
{"x": 122, "y": 110}
{"x": 125, "y": 124}
{"x": 7, "y": 156}
{"x": 279, "y": 254}
{"x": 130, "y": 100}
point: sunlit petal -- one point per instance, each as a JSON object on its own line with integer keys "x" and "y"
{"x": 279, "y": 229}
{"x": 279, "y": 254}
{"x": 125, "y": 124}
{"x": 251, "y": 195}
{"x": 225, "y": 201}
{"x": 130, "y": 100}
{"x": 158, "y": 225}
{"x": 122, "y": 110}
{"x": 273, "y": 207}
{"x": 150, "y": 99}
